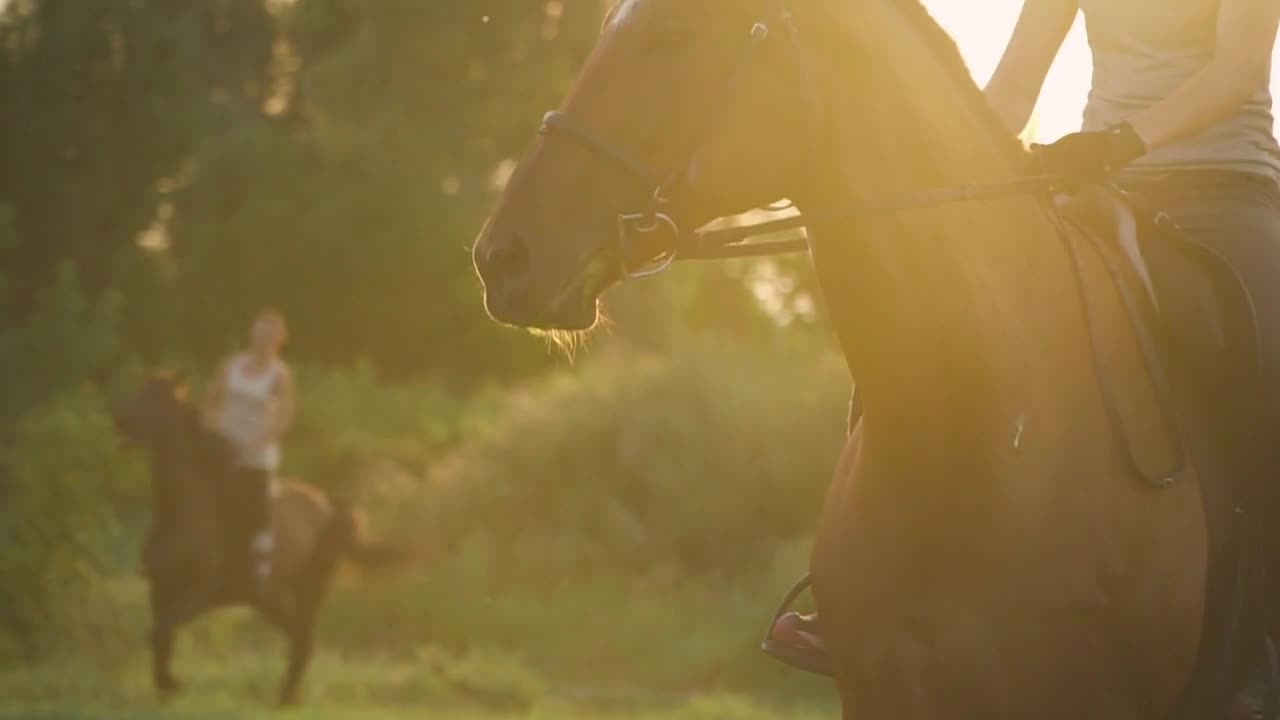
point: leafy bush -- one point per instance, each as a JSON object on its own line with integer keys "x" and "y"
{"x": 66, "y": 491}
{"x": 65, "y": 481}
{"x": 630, "y": 522}
{"x": 68, "y": 339}
{"x": 354, "y": 431}
{"x": 697, "y": 461}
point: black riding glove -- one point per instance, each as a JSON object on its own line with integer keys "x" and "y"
{"x": 1088, "y": 158}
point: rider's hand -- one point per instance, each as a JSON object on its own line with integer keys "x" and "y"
{"x": 1087, "y": 158}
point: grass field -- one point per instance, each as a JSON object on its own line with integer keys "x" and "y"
{"x": 241, "y": 687}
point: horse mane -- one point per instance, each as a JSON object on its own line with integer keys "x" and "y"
{"x": 860, "y": 24}
{"x": 908, "y": 115}
{"x": 210, "y": 452}
{"x": 213, "y": 452}
{"x": 944, "y": 47}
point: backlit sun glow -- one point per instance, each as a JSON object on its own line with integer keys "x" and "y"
{"x": 982, "y": 28}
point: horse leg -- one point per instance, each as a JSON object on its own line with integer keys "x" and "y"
{"x": 296, "y": 617}
{"x": 301, "y": 632}
{"x": 163, "y": 627}
{"x": 171, "y": 608}
{"x": 161, "y": 658}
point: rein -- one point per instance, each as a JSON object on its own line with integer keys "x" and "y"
{"x": 735, "y": 242}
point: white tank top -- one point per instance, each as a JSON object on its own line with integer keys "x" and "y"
{"x": 1143, "y": 50}
{"x": 248, "y": 407}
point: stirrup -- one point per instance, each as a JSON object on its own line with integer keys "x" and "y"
{"x": 818, "y": 664}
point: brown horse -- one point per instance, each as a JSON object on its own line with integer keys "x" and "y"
{"x": 186, "y": 554}
{"x": 987, "y": 549}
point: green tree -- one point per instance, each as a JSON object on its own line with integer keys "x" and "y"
{"x": 63, "y": 480}
{"x": 104, "y": 101}
{"x": 356, "y": 217}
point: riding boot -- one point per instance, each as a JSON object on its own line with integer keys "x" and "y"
{"x": 796, "y": 640}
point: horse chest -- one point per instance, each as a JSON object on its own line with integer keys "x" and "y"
{"x": 1008, "y": 603}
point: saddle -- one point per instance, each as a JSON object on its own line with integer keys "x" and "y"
{"x": 1192, "y": 314}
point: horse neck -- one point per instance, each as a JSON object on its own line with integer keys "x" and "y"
{"x": 178, "y": 480}
{"x": 944, "y": 312}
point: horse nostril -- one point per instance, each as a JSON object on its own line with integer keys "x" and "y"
{"x": 509, "y": 258}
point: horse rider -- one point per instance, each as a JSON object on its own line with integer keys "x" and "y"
{"x": 251, "y": 404}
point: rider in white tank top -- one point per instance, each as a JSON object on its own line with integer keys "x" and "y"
{"x": 248, "y": 411}
{"x": 251, "y": 404}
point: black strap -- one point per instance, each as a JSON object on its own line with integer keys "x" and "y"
{"x": 558, "y": 124}
{"x": 1147, "y": 348}
{"x": 787, "y": 601}
{"x": 734, "y": 241}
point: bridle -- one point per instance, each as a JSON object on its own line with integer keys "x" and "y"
{"x": 652, "y": 226}
{"x": 655, "y": 217}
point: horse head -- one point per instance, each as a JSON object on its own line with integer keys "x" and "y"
{"x": 686, "y": 111}
{"x": 155, "y": 406}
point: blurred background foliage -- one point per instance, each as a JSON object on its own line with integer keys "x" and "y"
{"x": 166, "y": 168}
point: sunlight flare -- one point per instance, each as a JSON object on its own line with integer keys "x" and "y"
{"x": 982, "y": 29}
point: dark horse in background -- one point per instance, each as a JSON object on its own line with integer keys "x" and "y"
{"x": 186, "y": 557}
{"x": 995, "y": 543}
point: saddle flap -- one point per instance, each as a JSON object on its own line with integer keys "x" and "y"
{"x": 1112, "y": 220}
{"x": 1120, "y": 306}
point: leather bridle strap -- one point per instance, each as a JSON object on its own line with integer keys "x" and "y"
{"x": 720, "y": 110}
{"x": 733, "y": 242}
{"x": 558, "y": 124}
